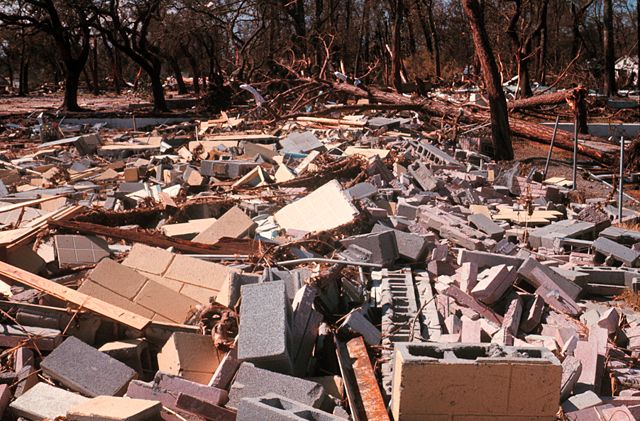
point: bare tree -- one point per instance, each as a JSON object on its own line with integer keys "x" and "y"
{"x": 126, "y": 25}
{"x": 501, "y": 134}
{"x": 68, "y": 23}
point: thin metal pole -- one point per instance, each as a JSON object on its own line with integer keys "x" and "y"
{"x": 553, "y": 139}
{"x": 575, "y": 153}
{"x": 621, "y": 180}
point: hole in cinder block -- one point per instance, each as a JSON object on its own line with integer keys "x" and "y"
{"x": 276, "y": 403}
{"x": 470, "y": 352}
{"x": 308, "y": 415}
{"x": 421, "y": 351}
{"x": 530, "y": 353}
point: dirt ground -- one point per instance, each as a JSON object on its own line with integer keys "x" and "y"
{"x": 13, "y": 105}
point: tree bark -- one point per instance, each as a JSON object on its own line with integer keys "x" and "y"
{"x": 71, "y": 84}
{"x": 396, "y": 63}
{"x": 94, "y": 68}
{"x": 608, "y": 39}
{"x": 435, "y": 39}
{"x": 159, "y": 103}
{"x": 175, "y": 67}
{"x": 500, "y": 131}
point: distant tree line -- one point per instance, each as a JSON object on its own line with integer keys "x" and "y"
{"x": 115, "y": 44}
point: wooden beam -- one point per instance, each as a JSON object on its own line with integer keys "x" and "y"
{"x": 72, "y": 296}
{"x": 225, "y": 246}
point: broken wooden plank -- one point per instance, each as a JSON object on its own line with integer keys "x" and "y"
{"x": 72, "y": 296}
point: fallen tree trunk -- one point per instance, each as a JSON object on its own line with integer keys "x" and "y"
{"x": 575, "y": 98}
{"x": 591, "y": 146}
{"x": 553, "y": 98}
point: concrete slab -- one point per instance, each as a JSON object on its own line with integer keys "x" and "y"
{"x": 323, "y": 209}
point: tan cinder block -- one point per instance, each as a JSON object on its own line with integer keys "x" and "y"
{"x": 190, "y": 355}
{"x": 453, "y": 380}
{"x": 534, "y": 389}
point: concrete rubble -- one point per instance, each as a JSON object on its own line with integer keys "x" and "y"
{"x": 334, "y": 269}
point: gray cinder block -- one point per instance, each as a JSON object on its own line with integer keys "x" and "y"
{"x": 619, "y": 252}
{"x": 274, "y": 407}
{"x": 84, "y": 369}
{"x": 382, "y": 246}
{"x": 252, "y": 382}
{"x": 44, "y": 401}
{"x": 264, "y": 336}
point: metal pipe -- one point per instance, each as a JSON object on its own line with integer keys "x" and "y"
{"x": 323, "y": 260}
{"x": 575, "y": 153}
{"x": 553, "y": 139}
{"x": 621, "y": 180}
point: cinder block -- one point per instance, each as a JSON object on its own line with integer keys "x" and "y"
{"x": 356, "y": 322}
{"x": 234, "y": 223}
{"x": 411, "y": 247}
{"x": 84, "y": 369}
{"x": 111, "y": 408}
{"x": 177, "y": 384}
{"x": 276, "y": 407}
{"x": 486, "y": 225}
{"x": 581, "y": 401}
{"x": 382, "y": 245}
{"x": 540, "y": 275}
{"x": 546, "y": 236}
{"x": 264, "y": 336}
{"x": 304, "y": 328}
{"x": 571, "y": 370}
{"x": 623, "y": 254}
{"x": 190, "y": 355}
{"x": 226, "y": 169}
{"x": 253, "y": 382}
{"x": 532, "y": 314}
{"x": 44, "y": 401}
{"x": 493, "y": 283}
{"x": 5, "y": 398}
{"x": 485, "y": 259}
{"x": 132, "y": 352}
{"x": 444, "y": 380}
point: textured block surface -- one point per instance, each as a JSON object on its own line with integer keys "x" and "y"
{"x": 276, "y": 407}
{"x": 264, "y": 334}
{"x": 252, "y": 382}
{"x": 111, "y": 408}
{"x": 84, "y": 369}
{"x": 44, "y": 401}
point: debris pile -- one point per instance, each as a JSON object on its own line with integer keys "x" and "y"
{"x": 335, "y": 269}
